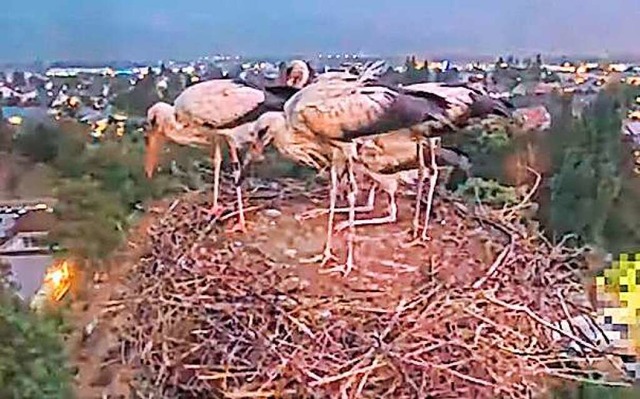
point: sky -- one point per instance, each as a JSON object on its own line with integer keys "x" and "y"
{"x": 95, "y": 30}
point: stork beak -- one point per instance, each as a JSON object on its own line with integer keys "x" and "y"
{"x": 256, "y": 152}
{"x": 154, "y": 144}
{"x": 294, "y": 78}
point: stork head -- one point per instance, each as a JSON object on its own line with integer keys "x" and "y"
{"x": 298, "y": 74}
{"x": 269, "y": 127}
{"x": 159, "y": 120}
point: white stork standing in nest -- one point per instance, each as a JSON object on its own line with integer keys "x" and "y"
{"x": 326, "y": 123}
{"x": 224, "y": 109}
{"x": 389, "y": 157}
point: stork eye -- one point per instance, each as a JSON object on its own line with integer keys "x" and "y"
{"x": 262, "y": 132}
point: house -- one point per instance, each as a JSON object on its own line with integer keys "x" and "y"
{"x": 631, "y": 130}
{"x": 26, "y": 251}
{"x": 534, "y": 118}
{"x": 545, "y": 88}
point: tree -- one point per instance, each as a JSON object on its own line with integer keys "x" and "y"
{"x": 140, "y": 98}
{"x": 18, "y": 79}
{"x": 39, "y": 143}
{"x": 412, "y": 74}
{"x": 32, "y": 360}
{"x": 90, "y": 219}
{"x": 6, "y": 134}
{"x": 588, "y": 182}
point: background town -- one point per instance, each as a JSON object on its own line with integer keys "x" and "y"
{"x": 72, "y": 182}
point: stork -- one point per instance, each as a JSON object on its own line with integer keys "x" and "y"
{"x": 325, "y": 123}
{"x": 218, "y": 110}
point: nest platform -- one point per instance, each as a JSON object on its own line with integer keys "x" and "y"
{"x": 468, "y": 315}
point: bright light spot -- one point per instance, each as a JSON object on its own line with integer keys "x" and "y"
{"x": 15, "y": 120}
{"x": 58, "y": 280}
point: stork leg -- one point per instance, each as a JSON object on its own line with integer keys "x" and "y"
{"x": 237, "y": 173}
{"x": 433, "y": 178}
{"x": 421, "y": 177}
{"x": 353, "y": 192}
{"x": 368, "y": 207}
{"x": 216, "y": 155}
{"x": 352, "y": 217}
{"x": 390, "y": 218}
{"x": 327, "y": 255}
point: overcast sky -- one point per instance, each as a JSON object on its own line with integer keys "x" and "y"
{"x": 155, "y": 29}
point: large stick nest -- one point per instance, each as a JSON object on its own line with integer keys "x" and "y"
{"x": 469, "y": 316}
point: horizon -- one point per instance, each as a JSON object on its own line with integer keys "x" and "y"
{"x": 162, "y": 29}
{"x": 459, "y": 58}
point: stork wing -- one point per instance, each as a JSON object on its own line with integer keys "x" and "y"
{"x": 464, "y": 101}
{"x": 344, "y": 111}
{"x": 217, "y": 103}
{"x": 396, "y": 152}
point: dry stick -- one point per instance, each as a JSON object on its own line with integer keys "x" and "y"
{"x": 526, "y": 200}
{"x": 421, "y": 317}
{"x": 235, "y": 213}
{"x": 496, "y": 264}
{"x": 347, "y": 374}
{"x": 530, "y": 313}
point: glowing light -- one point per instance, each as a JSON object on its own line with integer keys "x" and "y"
{"x": 634, "y": 115}
{"x": 15, "y": 120}
{"x": 57, "y": 281}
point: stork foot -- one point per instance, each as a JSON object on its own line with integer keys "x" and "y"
{"x": 322, "y": 258}
{"x": 345, "y": 269}
{"x": 416, "y": 242}
{"x": 342, "y": 226}
{"x": 216, "y": 211}
{"x": 312, "y": 214}
{"x": 237, "y": 228}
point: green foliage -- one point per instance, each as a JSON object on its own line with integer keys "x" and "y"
{"x": 275, "y": 165}
{"x": 487, "y": 150}
{"x": 491, "y": 142}
{"x": 98, "y": 191}
{"x": 6, "y": 134}
{"x": 488, "y": 192}
{"x": 622, "y": 229}
{"x": 140, "y": 98}
{"x": 591, "y": 391}
{"x": 32, "y": 359}
{"x": 98, "y": 187}
{"x": 91, "y": 218}
{"x": 39, "y": 143}
{"x": 587, "y": 183}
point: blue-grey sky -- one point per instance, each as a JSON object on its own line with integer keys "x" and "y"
{"x": 155, "y": 29}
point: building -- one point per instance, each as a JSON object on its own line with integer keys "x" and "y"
{"x": 534, "y": 118}
{"x": 25, "y": 249}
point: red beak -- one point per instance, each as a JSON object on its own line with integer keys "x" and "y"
{"x": 154, "y": 145}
